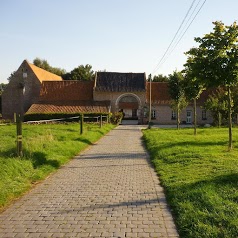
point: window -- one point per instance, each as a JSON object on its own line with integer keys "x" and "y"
{"x": 173, "y": 115}
{"x": 153, "y": 114}
{"x": 204, "y": 115}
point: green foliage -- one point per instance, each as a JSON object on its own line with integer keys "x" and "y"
{"x": 200, "y": 178}
{"x": 193, "y": 87}
{"x": 215, "y": 61}
{"x": 218, "y": 106}
{"x": 176, "y": 91}
{"x": 115, "y": 118}
{"x": 160, "y": 78}
{"x": 2, "y": 87}
{"x": 84, "y": 73}
{"x": 42, "y": 63}
{"x": 45, "y": 148}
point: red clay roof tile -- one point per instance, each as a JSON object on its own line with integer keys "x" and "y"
{"x": 70, "y": 107}
{"x": 66, "y": 91}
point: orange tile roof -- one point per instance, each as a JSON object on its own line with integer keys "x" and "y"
{"x": 159, "y": 93}
{"x": 42, "y": 74}
{"x": 70, "y": 107}
{"x": 66, "y": 90}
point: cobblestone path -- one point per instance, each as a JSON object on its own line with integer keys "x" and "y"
{"x": 109, "y": 190}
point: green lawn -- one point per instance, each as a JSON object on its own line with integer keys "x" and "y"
{"x": 200, "y": 178}
{"x": 45, "y": 148}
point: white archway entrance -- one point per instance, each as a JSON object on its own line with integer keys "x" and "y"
{"x": 129, "y": 104}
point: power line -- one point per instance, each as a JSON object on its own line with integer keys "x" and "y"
{"x": 188, "y": 27}
{"x": 176, "y": 33}
{"x": 165, "y": 56}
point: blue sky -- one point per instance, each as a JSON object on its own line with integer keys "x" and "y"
{"x": 115, "y": 35}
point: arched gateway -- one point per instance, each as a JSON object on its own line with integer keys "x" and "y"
{"x": 129, "y": 104}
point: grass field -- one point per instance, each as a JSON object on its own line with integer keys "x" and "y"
{"x": 45, "y": 148}
{"x": 200, "y": 178}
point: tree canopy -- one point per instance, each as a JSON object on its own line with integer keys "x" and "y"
{"x": 42, "y": 63}
{"x": 215, "y": 61}
{"x": 176, "y": 91}
{"x": 160, "y": 78}
{"x": 84, "y": 73}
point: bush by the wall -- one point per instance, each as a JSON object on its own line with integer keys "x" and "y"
{"x": 115, "y": 118}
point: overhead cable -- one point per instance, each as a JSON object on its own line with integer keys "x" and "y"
{"x": 179, "y": 33}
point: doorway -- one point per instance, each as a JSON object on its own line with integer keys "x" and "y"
{"x": 189, "y": 117}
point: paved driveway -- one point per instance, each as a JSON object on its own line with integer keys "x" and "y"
{"x": 109, "y": 190}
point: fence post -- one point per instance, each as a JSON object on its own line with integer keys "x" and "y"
{"x": 81, "y": 124}
{"x": 101, "y": 121}
{"x": 19, "y": 135}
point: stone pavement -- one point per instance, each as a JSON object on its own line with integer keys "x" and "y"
{"x": 109, "y": 190}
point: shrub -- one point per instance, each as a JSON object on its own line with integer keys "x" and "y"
{"x": 115, "y": 118}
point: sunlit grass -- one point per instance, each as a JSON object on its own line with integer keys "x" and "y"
{"x": 45, "y": 149}
{"x": 200, "y": 178}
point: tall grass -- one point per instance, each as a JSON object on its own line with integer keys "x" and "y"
{"x": 45, "y": 149}
{"x": 200, "y": 178}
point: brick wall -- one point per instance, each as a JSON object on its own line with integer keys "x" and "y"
{"x": 20, "y": 93}
{"x": 163, "y": 115}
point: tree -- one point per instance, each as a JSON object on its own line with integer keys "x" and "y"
{"x": 84, "y": 73}
{"x": 215, "y": 61}
{"x": 42, "y": 63}
{"x": 193, "y": 88}
{"x": 218, "y": 106}
{"x": 176, "y": 91}
{"x": 2, "y": 87}
{"x": 160, "y": 78}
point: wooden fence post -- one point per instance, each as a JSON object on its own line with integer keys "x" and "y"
{"x": 101, "y": 121}
{"x": 19, "y": 135}
{"x": 81, "y": 124}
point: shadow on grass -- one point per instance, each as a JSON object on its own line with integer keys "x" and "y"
{"x": 85, "y": 141}
{"x": 11, "y": 152}
{"x": 37, "y": 158}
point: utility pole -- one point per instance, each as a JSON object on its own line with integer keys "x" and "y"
{"x": 149, "y": 124}
{"x": 19, "y": 135}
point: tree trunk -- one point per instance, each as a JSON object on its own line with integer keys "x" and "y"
{"x": 178, "y": 119}
{"x": 219, "y": 119}
{"x": 230, "y": 118}
{"x": 195, "y": 115}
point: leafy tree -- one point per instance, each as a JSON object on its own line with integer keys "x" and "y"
{"x": 176, "y": 91}
{"x": 2, "y": 87}
{"x": 42, "y": 63}
{"x": 84, "y": 73}
{"x": 218, "y": 106}
{"x": 160, "y": 78}
{"x": 193, "y": 88}
{"x": 215, "y": 61}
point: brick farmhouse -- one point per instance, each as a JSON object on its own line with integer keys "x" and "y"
{"x": 34, "y": 90}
